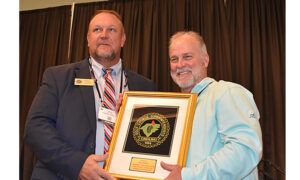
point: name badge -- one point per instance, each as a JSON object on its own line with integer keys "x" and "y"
{"x": 107, "y": 115}
{"x": 84, "y": 82}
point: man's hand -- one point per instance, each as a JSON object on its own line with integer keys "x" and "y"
{"x": 175, "y": 171}
{"x": 119, "y": 103}
{"x": 91, "y": 170}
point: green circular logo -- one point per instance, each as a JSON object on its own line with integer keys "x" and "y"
{"x": 151, "y": 130}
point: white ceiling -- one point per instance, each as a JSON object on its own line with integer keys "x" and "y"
{"x": 26, "y": 5}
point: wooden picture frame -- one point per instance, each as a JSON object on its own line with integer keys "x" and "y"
{"x": 151, "y": 127}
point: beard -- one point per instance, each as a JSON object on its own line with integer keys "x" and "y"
{"x": 184, "y": 83}
{"x": 107, "y": 57}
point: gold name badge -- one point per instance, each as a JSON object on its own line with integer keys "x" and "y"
{"x": 142, "y": 165}
{"x": 84, "y": 82}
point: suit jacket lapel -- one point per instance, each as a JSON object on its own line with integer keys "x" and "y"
{"x": 131, "y": 84}
{"x": 83, "y": 71}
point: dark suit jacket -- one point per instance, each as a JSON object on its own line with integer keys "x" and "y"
{"x": 61, "y": 124}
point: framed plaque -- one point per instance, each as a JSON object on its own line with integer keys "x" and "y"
{"x": 151, "y": 127}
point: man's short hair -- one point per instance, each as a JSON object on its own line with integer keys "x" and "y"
{"x": 108, "y": 11}
{"x": 115, "y": 13}
{"x": 194, "y": 34}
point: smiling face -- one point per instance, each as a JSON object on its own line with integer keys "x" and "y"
{"x": 188, "y": 63}
{"x": 105, "y": 38}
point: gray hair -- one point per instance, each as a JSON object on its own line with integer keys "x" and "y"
{"x": 194, "y": 34}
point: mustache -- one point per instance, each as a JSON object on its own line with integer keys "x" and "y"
{"x": 181, "y": 70}
{"x": 103, "y": 43}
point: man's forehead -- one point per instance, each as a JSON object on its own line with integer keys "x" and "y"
{"x": 184, "y": 39}
{"x": 103, "y": 18}
{"x": 182, "y": 53}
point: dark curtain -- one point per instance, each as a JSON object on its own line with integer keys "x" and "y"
{"x": 44, "y": 36}
{"x": 257, "y": 50}
{"x": 245, "y": 41}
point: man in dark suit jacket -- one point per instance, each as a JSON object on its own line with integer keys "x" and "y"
{"x": 61, "y": 125}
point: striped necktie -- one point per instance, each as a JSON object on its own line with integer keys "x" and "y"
{"x": 109, "y": 103}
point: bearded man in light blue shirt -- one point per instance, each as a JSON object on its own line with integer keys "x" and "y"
{"x": 226, "y": 138}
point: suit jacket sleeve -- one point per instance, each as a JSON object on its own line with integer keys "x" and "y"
{"x": 42, "y": 135}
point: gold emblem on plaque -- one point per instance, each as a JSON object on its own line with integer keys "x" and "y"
{"x": 151, "y": 130}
